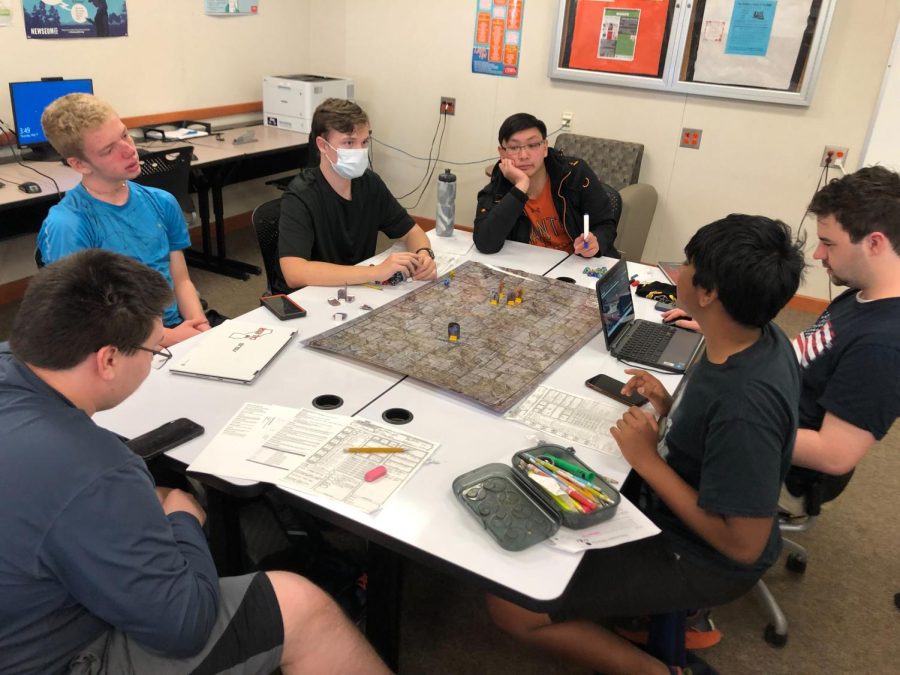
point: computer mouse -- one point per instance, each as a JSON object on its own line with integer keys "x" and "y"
{"x": 30, "y": 187}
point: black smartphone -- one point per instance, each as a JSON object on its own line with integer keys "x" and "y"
{"x": 613, "y": 388}
{"x": 165, "y": 437}
{"x": 282, "y": 307}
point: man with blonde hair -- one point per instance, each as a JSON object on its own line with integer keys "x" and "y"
{"x": 107, "y": 210}
{"x": 331, "y": 214}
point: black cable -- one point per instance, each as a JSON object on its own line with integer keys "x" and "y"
{"x": 433, "y": 166}
{"x": 9, "y": 130}
{"x": 447, "y": 161}
{"x": 441, "y": 117}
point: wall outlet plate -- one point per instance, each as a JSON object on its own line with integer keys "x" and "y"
{"x": 838, "y": 156}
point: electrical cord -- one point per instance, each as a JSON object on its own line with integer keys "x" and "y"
{"x": 4, "y": 126}
{"x": 447, "y": 161}
{"x": 433, "y": 166}
{"x": 423, "y": 181}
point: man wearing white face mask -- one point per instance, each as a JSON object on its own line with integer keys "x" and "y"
{"x": 331, "y": 214}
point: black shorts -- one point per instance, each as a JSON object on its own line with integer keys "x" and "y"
{"x": 245, "y": 640}
{"x": 644, "y": 577}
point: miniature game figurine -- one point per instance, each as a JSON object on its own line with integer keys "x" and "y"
{"x": 453, "y": 331}
{"x": 343, "y": 295}
{"x": 396, "y": 278}
{"x": 519, "y": 295}
{"x": 595, "y": 272}
{"x": 446, "y": 283}
{"x": 367, "y": 308}
{"x": 452, "y": 274}
{"x": 511, "y": 299}
{"x": 339, "y": 316}
{"x": 334, "y": 302}
{"x": 495, "y": 297}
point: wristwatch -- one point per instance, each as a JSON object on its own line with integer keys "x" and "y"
{"x": 427, "y": 250}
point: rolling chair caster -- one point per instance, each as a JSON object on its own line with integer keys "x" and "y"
{"x": 774, "y": 638}
{"x": 796, "y": 562}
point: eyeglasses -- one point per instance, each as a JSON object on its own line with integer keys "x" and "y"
{"x": 530, "y": 147}
{"x": 160, "y": 357}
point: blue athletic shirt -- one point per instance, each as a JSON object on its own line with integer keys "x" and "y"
{"x": 148, "y": 227}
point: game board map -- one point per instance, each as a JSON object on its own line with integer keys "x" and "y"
{"x": 504, "y": 350}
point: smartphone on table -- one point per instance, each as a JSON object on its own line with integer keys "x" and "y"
{"x": 613, "y": 388}
{"x": 282, "y": 306}
{"x": 165, "y": 437}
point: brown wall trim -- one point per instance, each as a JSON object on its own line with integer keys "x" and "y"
{"x": 427, "y": 224}
{"x": 804, "y": 303}
{"x": 194, "y": 114}
{"x": 13, "y": 290}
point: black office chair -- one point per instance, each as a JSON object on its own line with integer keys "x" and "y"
{"x": 169, "y": 170}
{"x": 819, "y": 488}
{"x": 265, "y": 223}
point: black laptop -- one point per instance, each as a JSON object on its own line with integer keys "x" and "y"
{"x": 637, "y": 341}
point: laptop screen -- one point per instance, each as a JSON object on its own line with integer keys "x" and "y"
{"x": 616, "y": 305}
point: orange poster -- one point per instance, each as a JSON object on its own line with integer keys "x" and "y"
{"x": 498, "y": 37}
{"x": 621, "y": 36}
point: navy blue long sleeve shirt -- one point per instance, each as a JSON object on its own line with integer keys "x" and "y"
{"x": 86, "y": 544}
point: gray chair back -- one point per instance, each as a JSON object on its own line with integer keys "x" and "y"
{"x": 615, "y": 162}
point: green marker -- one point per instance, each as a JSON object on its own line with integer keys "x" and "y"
{"x": 571, "y": 468}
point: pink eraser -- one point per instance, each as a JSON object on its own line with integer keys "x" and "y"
{"x": 375, "y": 474}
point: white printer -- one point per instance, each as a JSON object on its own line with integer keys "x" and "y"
{"x": 290, "y": 100}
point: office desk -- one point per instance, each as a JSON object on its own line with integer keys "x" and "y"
{"x": 422, "y": 520}
{"x": 221, "y": 163}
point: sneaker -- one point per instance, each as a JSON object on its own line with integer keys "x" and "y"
{"x": 699, "y": 631}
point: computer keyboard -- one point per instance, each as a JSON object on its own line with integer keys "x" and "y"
{"x": 646, "y": 342}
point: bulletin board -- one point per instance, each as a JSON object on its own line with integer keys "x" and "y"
{"x": 764, "y": 50}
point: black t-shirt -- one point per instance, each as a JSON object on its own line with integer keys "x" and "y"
{"x": 318, "y": 224}
{"x": 850, "y": 361}
{"x": 729, "y": 436}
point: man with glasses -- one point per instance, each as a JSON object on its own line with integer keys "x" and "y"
{"x": 101, "y": 572}
{"x": 537, "y": 196}
{"x": 108, "y": 210}
{"x": 331, "y": 214}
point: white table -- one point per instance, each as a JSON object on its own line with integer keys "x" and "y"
{"x": 422, "y": 521}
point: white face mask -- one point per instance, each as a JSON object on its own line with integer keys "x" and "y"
{"x": 351, "y": 162}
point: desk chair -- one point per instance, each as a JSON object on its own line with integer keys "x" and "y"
{"x": 618, "y": 163}
{"x": 170, "y": 170}
{"x": 820, "y": 490}
{"x": 265, "y": 223}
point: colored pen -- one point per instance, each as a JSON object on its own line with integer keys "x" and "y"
{"x": 584, "y": 486}
{"x": 374, "y": 450}
{"x": 587, "y": 504}
{"x": 587, "y": 485}
{"x": 372, "y": 285}
{"x": 587, "y": 221}
{"x": 571, "y": 468}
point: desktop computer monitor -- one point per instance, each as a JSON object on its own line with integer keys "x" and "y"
{"x": 29, "y": 99}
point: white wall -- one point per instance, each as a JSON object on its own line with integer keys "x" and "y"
{"x": 757, "y": 158}
{"x": 405, "y": 54}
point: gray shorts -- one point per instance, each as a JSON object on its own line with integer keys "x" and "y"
{"x": 246, "y": 638}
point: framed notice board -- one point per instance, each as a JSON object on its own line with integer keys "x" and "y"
{"x": 761, "y": 50}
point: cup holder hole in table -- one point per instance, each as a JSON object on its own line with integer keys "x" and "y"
{"x": 328, "y": 402}
{"x": 568, "y": 280}
{"x": 397, "y": 416}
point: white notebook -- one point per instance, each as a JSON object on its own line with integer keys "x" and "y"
{"x": 235, "y": 351}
